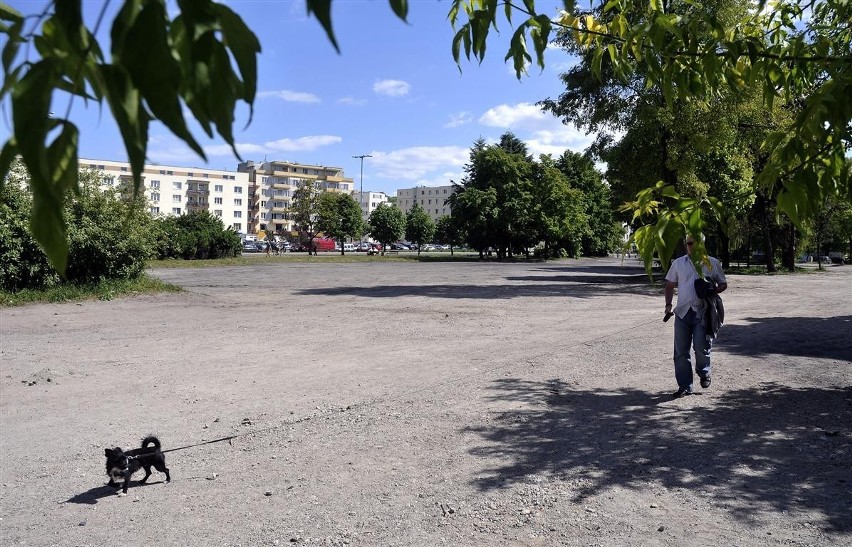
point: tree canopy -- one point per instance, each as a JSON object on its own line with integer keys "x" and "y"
{"x": 795, "y": 51}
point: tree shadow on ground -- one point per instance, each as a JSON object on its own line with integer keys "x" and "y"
{"x": 485, "y": 292}
{"x": 772, "y": 448}
{"x": 584, "y": 281}
{"x": 824, "y": 337}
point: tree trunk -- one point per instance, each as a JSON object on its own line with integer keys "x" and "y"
{"x": 725, "y": 244}
{"x": 768, "y": 248}
{"x": 788, "y": 254}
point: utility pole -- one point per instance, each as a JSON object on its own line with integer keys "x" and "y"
{"x": 361, "y": 193}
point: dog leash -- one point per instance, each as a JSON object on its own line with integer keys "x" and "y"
{"x": 206, "y": 442}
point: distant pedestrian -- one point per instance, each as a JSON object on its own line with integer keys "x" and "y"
{"x": 270, "y": 241}
{"x": 691, "y": 328}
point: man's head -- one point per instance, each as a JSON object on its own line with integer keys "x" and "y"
{"x": 689, "y": 241}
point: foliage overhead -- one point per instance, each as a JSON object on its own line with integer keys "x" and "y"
{"x": 204, "y": 60}
{"x": 157, "y": 67}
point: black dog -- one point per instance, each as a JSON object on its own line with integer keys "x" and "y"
{"x": 121, "y": 465}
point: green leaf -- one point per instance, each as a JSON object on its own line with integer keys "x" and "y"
{"x": 400, "y": 8}
{"x": 321, "y": 9}
{"x": 126, "y": 106}
{"x": 244, "y": 45}
{"x": 149, "y": 61}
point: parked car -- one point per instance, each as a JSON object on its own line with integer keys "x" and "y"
{"x": 349, "y": 248}
{"x": 364, "y": 246}
{"x": 249, "y": 247}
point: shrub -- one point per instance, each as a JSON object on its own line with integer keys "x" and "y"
{"x": 22, "y": 263}
{"x": 197, "y": 235}
{"x": 109, "y": 236}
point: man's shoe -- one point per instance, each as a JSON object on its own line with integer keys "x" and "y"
{"x": 705, "y": 382}
{"x": 681, "y": 392}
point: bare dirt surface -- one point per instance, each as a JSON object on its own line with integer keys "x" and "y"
{"x": 460, "y": 404}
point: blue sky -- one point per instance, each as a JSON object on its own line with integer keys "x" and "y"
{"x": 393, "y": 92}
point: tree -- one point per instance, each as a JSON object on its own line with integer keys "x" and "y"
{"x": 799, "y": 50}
{"x": 305, "y": 207}
{"x": 419, "y": 227}
{"x": 447, "y": 232}
{"x": 604, "y": 233}
{"x": 559, "y": 219}
{"x": 387, "y": 224}
{"x": 339, "y": 216}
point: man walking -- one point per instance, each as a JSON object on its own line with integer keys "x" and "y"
{"x": 690, "y": 328}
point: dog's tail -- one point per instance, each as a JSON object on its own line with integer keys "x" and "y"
{"x": 151, "y": 440}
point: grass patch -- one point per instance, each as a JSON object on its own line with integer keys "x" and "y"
{"x": 105, "y": 290}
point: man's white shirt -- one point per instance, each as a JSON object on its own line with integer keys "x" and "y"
{"x": 682, "y": 272}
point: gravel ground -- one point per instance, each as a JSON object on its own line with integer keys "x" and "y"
{"x": 425, "y": 404}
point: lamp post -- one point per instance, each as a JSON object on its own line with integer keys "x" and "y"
{"x": 361, "y": 193}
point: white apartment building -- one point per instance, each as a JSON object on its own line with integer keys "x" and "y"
{"x": 177, "y": 190}
{"x": 431, "y": 198}
{"x": 369, "y": 201}
{"x": 271, "y": 187}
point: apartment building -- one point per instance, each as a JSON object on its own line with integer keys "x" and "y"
{"x": 177, "y": 190}
{"x": 369, "y": 201}
{"x": 431, "y": 198}
{"x": 271, "y": 188}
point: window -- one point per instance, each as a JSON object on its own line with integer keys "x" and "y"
{"x": 155, "y": 196}
{"x": 170, "y": 172}
{"x": 263, "y": 204}
{"x": 218, "y": 213}
{"x": 262, "y": 216}
{"x": 238, "y": 226}
{"x": 162, "y": 171}
{"x": 218, "y": 187}
{"x": 176, "y": 198}
{"x": 238, "y": 214}
{"x": 263, "y": 180}
{"x": 176, "y": 210}
{"x": 238, "y": 189}
{"x": 217, "y": 201}
{"x": 101, "y": 167}
{"x": 190, "y": 174}
{"x": 155, "y": 185}
{"x": 155, "y": 210}
{"x": 177, "y": 185}
{"x": 109, "y": 181}
{"x": 238, "y": 201}
{"x": 124, "y": 168}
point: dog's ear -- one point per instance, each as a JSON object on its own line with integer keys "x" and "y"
{"x": 107, "y": 452}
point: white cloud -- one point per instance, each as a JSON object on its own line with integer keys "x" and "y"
{"x": 419, "y": 162}
{"x": 302, "y": 144}
{"x": 513, "y": 117}
{"x": 352, "y": 101}
{"x": 459, "y": 119}
{"x": 542, "y": 132}
{"x": 290, "y": 96}
{"x": 392, "y": 88}
{"x": 166, "y": 150}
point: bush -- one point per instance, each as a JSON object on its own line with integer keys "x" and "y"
{"x": 109, "y": 236}
{"x": 22, "y": 263}
{"x": 197, "y": 235}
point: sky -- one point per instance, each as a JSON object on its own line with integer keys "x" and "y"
{"x": 393, "y": 92}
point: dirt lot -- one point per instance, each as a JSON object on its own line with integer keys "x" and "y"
{"x": 429, "y": 404}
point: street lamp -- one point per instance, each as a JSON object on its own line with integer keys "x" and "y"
{"x": 361, "y": 193}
